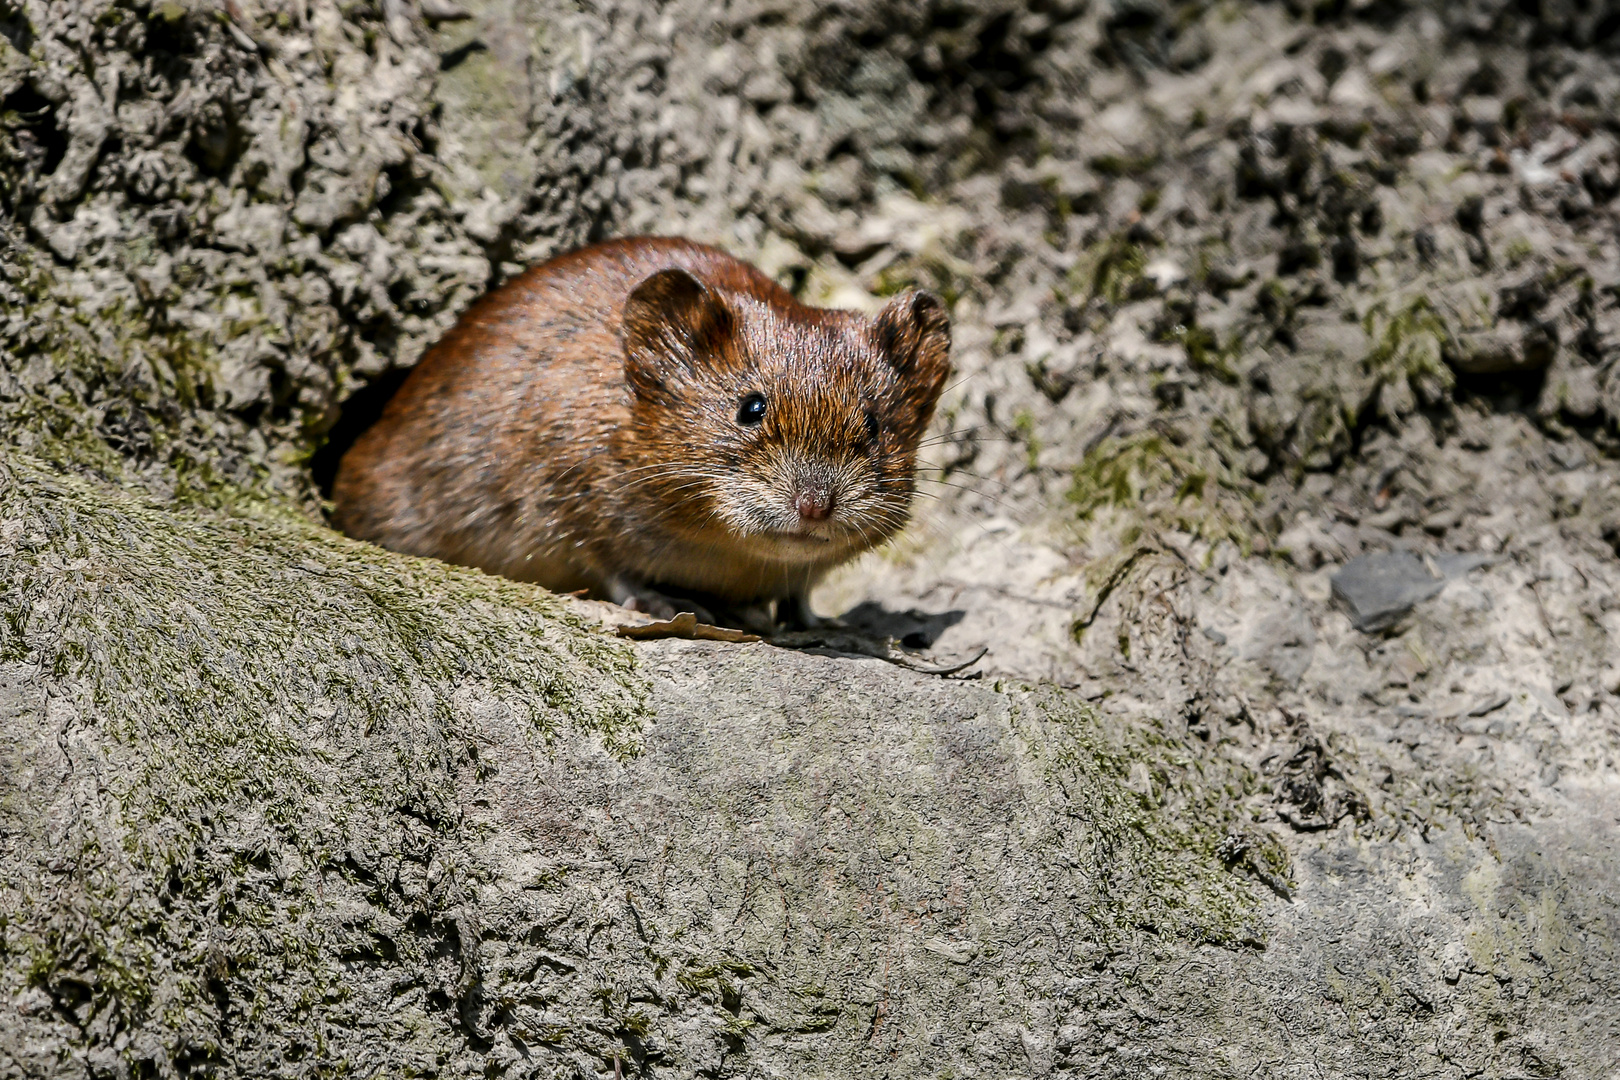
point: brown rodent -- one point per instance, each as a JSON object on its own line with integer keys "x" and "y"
{"x": 652, "y": 414}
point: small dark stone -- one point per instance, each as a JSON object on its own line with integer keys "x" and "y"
{"x": 1539, "y": 345}
{"x": 1170, "y": 394}
{"x": 1019, "y": 194}
{"x": 1523, "y": 300}
{"x": 1332, "y": 63}
{"x": 1223, "y": 279}
{"x": 1055, "y": 385}
{"x": 1471, "y": 214}
{"x": 1486, "y": 80}
{"x": 1423, "y": 241}
{"x": 1602, "y": 179}
{"x": 1346, "y": 260}
{"x": 1297, "y": 256}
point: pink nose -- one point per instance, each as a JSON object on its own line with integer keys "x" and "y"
{"x": 813, "y": 504}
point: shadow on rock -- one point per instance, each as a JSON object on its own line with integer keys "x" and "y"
{"x": 912, "y": 628}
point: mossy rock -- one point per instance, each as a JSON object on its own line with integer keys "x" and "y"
{"x": 278, "y": 797}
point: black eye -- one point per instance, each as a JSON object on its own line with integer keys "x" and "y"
{"x": 871, "y": 426}
{"x": 752, "y": 410}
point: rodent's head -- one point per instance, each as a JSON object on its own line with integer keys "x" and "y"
{"x": 789, "y": 430}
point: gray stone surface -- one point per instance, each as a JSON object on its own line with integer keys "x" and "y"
{"x": 1241, "y": 294}
{"x": 1379, "y": 588}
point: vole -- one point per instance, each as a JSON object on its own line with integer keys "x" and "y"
{"x": 651, "y": 417}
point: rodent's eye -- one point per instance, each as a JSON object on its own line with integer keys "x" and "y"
{"x": 871, "y": 426}
{"x": 752, "y": 410}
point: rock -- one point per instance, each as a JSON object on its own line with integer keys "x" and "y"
{"x": 1573, "y": 388}
{"x": 443, "y": 11}
{"x": 1500, "y": 350}
{"x": 1378, "y": 589}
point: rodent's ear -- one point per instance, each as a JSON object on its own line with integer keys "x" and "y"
{"x": 670, "y": 317}
{"x": 915, "y": 334}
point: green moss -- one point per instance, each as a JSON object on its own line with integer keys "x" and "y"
{"x": 106, "y": 388}
{"x": 1120, "y": 165}
{"x": 1062, "y": 204}
{"x": 223, "y": 657}
{"x": 1127, "y": 492}
{"x": 1161, "y": 484}
{"x": 1206, "y": 354}
{"x": 934, "y": 272}
{"x": 1147, "y": 820}
{"x": 1024, "y": 429}
{"x": 895, "y": 279}
{"x": 1111, "y": 270}
{"x": 1407, "y": 353}
{"x": 1276, "y": 303}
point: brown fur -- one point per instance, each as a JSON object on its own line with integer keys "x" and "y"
{"x": 579, "y": 428}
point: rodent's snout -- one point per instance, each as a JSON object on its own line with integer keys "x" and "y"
{"x": 813, "y": 501}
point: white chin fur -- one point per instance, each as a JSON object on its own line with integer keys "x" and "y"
{"x": 760, "y": 521}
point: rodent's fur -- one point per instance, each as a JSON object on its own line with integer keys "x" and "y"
{"x": 579, "y": 427}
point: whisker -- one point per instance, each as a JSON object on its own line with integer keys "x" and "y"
{"x": 972, "y": 433}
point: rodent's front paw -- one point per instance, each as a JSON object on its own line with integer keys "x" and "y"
{"x": 658, "y": 609}
{"x": 755, "y": 618}
{"x": 649, "y": 601}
